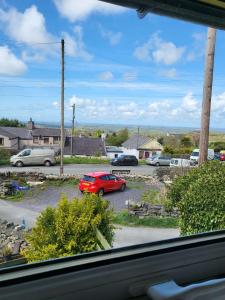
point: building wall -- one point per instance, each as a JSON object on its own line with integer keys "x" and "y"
{"x": 40, "y": 142}
{"x": 131, "y": 152}
{"x": 9, "y": 144}
{"x": 113, "y": 154}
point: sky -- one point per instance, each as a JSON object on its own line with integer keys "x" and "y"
{"x": 119, "y": 69}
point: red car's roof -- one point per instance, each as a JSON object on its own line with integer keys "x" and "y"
{"x": 96, "y": 174}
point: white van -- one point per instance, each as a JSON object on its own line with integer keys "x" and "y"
{"x": 195, "y": 155}
{"x": 180, "y": 162}
{"x": 28, "y": 157}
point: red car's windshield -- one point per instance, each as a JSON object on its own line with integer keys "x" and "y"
{"x": 89, "y": 178}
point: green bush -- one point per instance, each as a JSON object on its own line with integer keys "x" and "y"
{"x": 70, "y": 228}
{"x": 200, "y": 197}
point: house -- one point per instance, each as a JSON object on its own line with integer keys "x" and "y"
{"x": 141, "y": 146}
{"x": 17, "y": 138}
{"x": 85, "y": 146}
{"x": 113, "y": 151}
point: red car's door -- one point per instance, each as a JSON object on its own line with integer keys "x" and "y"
{"x": 114, "y": 184}
{"x": 104, "y": 183}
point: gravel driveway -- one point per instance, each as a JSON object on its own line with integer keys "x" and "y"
{"x": 51, "y": 195}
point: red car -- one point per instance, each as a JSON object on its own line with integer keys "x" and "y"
{"x": 222, "y": 156}
{"x": 101, "y": 182}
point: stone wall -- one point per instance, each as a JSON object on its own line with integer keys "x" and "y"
{"x": 12, "y": 237}
{"x": 145, "y": 209}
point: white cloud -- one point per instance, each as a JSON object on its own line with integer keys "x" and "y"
{"x": 9, "y": 63}
{"x": 55, "y": 104}
{"x": 159, "y": 51}
{"x": 129, "y": 76}
{"x": 190, "y": 108}
{"x": 74, "y": 45}
{"x": 28, "y": 27}
{"x": 218, "y": 106}
{"x": 106, "y": 75}
{"x": 169, "y": 73}
{"x": 113, "y": 37}
{"x": 76, "y": 10}
{"x": 81, "y": 102}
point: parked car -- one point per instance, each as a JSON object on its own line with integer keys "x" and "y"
{"x": 161, "y": 160}
{"x": 216, "y": 156}
{"x": 28, "y": 157}
{"x": 101, "y": 182}
{"x": 195, "y": 155}
{"x": 222, "y": 156}
{"x": 180, "y": 162}
{"x": 125, "y": 160}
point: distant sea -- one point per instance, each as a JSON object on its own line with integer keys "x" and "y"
{"x": 115, "y": 127}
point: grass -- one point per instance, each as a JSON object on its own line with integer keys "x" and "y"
{"x": 123, "y": 218}
{"x": 17, "y": 196}
{"x": 4, "y": 162}
{"x": 135, "y": 185}
{"x": 60, "y": 182}
{"x": 85, "y": 160}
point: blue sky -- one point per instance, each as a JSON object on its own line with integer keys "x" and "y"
{"x": 119, "y": 69}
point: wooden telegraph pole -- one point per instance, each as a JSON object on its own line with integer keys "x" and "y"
{"x": 207, "y": 94}
{"x": 62, "y": 108}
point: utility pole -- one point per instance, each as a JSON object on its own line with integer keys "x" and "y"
{"x": 62, "y": 108}
{"x": 72, "y": 133}
{"x": 207, "y": 94}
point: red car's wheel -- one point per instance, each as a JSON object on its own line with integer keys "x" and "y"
{"x": 101, "y": 192}
{"x": 123, "y": 187}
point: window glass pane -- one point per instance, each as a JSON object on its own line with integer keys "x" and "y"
{"x": 128, "y": 170}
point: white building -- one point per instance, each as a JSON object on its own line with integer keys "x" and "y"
{"x": 142, "y": 146}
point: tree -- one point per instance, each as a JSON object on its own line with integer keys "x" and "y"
{"x": 200, "y": 197}
{"x": 117, "y": 138}
{"x": 186, "y": 142}
{"x": 71, "y": 228}
{"x": 11, "y": 123}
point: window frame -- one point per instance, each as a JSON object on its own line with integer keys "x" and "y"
{"x": 127, "y": 271}
{"x": 3, "y": 141}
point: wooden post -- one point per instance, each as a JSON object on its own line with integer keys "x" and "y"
{"x": 62, "y": 109}
{"x": 207, "y": 94}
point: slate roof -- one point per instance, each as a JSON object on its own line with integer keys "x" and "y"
{"x": 46, "y": 132}
{"x": 135, "y": 141}
{"x": 14, "y": 132}
{"x": 85, "y": 146}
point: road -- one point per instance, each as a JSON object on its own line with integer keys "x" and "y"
{"x": 124, "y": 236}
{"x": 80, "y": 169}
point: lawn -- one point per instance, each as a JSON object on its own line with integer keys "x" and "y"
{"x": 85, "y": 160}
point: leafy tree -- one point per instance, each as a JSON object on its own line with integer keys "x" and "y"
{"x": 117, "y": 138}
{"x": 70, "y": 228}
{"x": 200, "y": 197}
{"x": 217, "y": 146}
{"x": 186, "y": 142}
{"x": 161, "y": 140}
{"x": 11, "y": 123}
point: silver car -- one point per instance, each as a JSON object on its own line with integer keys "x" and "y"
{"x": 29, "y": 157}
{"x": 160, "y": 160}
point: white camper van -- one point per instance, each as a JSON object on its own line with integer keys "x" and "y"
{"x": 195, "y": 155}
{"x": 180, "y": 162}
{"x": 29, "y": 157}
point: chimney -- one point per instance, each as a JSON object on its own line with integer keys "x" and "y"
{"x": 30, "y": 124}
